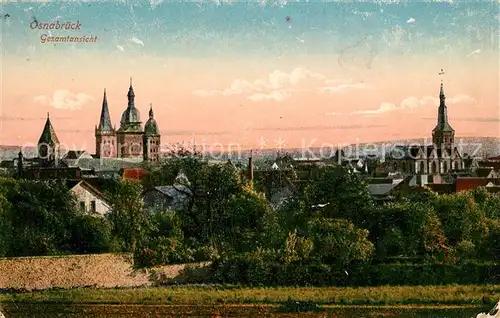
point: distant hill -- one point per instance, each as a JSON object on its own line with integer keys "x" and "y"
{"x": 10, "y": 152}
{"x": 478, "y": 146}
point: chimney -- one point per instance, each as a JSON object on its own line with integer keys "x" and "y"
{"x": 250, "y": 166}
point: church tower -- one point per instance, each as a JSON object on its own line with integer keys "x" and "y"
{"x": 20, "y": 163}
{"x": 105, "y": 136}
{"x": 152, "y": 142}
{"x": 48, "y": 145}
{"x": 130, "y": 134}
{"x": 443, "y": 136}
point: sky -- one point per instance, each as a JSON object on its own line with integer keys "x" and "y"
{"x": 255, "y": 74}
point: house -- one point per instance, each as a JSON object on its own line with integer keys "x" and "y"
{"x": 442, "y": 188}
{"x": 90, "y": 200}
{"x": 73, "y": 173}
{"x": 108, "y": 175}
{"x": 469, "y": 183}
{"x": 164, "y": 198}
{"x": 72, "y": 157}
{"x": 384, "y": 191}
{"x": 486, "y": 172}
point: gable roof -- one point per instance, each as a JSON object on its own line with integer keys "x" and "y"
{"x": 173, "y": 191}
{"x": 75, "y": 154}
{"x": 378, "y": 189}
{"x": 135, "y": 174}
{"x": 464, "y": 184}
{"x": 485, "y": 172}
{"x": 87, "y": 186}
{"x": 441, "y": 188}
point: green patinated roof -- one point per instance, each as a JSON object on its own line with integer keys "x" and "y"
{"x": 444, "y": 127}
{"x": 131, "y": 120}
{"x": 48, "y": 136}
{"x": 131, "y": 117}
{"x": 151, "y": 127}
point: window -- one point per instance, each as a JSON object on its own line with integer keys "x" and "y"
{"x": 92, "y": 206}
{"x": 421, "y": 169}
{"x": 82, "y": 206}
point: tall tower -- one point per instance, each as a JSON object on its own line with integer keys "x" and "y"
{"x": 20, "y": 164}
{"x": 152, "y": 139}
{"x": 48, "y": 145}
{"x": 130, "y": 134}
{"x": 105, "y": 136}
{"x": 443, "y": 136}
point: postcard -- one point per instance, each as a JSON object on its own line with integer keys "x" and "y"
{"x": 151, "y": 143}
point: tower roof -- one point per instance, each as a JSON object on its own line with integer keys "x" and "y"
{"x": 105, "y": 121}
{"x": 130, "y": 90}
{"x": 48, "y": 136}
{"x": 442, "y": 124}
{"x": 151, "y": 127}
{"x": 131, "y": 117}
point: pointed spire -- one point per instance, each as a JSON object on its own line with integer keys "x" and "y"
{"x": 105, "y": 121}
{"x": 48, "y": 136}
{"x": 151, "y": 114}
{"x": 48, "y": 116}
{"x": 441, "y": 92}
{"x": 442, "y": 122}
{"x": 130, "y": 95}
{"x": 442, "y": 112}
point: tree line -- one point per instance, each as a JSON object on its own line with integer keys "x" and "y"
{"x": 330, "y": 225}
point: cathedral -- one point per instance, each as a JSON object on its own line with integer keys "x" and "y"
{"x": 441, "y": 157}
{"x": 130, "y": 140}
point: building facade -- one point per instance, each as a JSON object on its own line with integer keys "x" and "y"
{"x": 130, "y": 140}
{"x": 90, "y": 200}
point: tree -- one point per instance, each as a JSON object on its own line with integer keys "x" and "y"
{"x": 338, "y": 241}
{"x": 162, "y": 241}
{"x": 5, "y": 226}
{"x": 91, "y": 234}
{"x": 40, "y": 215}
{"x": 344, "y": 194}
{"x": 490, "y": 249}
{"x": 127, "y": 214}
{"x": 297, "y": 248}
{"x": 223, "y": 211}
{"x": 240, "y": 222}
{"x": 408, "y": 228}
{"x": 462, "y": 218}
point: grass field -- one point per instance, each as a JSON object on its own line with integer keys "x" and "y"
{"x": 135, "y": 311}
{"x": 470, "y": 295}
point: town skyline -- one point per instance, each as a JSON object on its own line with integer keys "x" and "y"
{"x": 285, "y": 73}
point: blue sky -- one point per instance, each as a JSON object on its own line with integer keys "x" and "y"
{"x": 249, "y": 28}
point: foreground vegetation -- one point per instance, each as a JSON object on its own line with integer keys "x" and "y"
{"x": 217, "y": 295}
{"x": 330, "y": 225}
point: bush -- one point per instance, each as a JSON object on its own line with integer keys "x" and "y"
{"x": 90, "y": 234}
{"x": 251, "y": 271}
